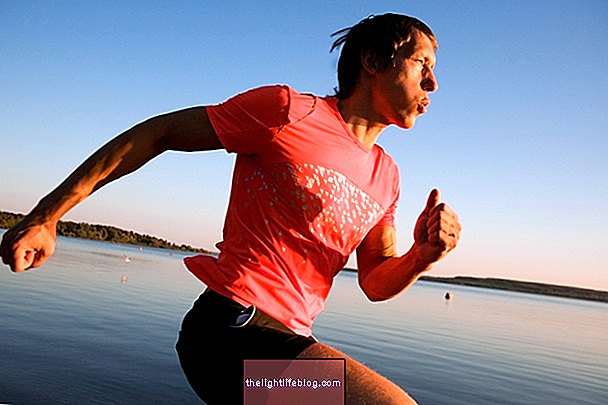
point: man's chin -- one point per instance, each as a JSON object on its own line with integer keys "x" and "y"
{"x": 408, "y": 123}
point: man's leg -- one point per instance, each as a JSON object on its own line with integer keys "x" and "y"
{"x": 363, "y": 385}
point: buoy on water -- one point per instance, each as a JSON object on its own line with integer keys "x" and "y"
{"x": 448, "y": 296}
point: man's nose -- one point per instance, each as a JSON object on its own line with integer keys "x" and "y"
{"x": 429, "y": 83}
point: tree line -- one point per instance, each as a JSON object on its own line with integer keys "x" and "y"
{"x": 106, "y": 233}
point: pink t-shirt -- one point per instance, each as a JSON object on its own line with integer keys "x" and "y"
{"x": 305, "y": 192}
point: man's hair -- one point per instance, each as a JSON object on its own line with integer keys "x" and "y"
{"x": 383, "y": 35}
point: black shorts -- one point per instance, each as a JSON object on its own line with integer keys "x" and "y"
{"x": 218, "y": 334}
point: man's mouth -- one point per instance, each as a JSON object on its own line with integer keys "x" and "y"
{"x": 423, "y": 105}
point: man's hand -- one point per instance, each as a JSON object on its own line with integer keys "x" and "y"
{"x": 28, "y": 244}
{"x": 32, "y": 241}
{"x": 437, "y": 230}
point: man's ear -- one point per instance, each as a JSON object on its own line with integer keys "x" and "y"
{"x": 369, "y": 61}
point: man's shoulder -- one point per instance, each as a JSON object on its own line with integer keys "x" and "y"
{"x": 276, "y": 95}
{"x": 386, "y": 159}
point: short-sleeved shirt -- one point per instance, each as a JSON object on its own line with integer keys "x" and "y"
{"x": 305, "y": 192}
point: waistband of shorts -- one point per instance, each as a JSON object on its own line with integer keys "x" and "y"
{"x": 221, "y": 299}
{"x": 221, "y": 303}
{"x": 231, "y": 308}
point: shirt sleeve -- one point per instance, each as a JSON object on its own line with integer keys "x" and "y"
{"x": 389, "y": 215}
{"x": 247, "y": 122}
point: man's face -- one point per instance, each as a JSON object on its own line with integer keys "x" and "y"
{"x": 401, "y": 92}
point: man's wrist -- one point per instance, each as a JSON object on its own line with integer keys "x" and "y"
{"x": 420, "y": 263}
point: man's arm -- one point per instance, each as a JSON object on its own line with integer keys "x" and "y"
{"x": 383, "y": 274}
{"x": 29, "y": 243}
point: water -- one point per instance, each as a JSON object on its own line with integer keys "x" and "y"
{"x": 89, "y": 327}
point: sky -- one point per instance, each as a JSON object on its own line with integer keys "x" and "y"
{"x": 515, "y": 137}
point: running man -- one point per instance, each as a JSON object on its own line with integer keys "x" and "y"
{"x": 310, "y": 187}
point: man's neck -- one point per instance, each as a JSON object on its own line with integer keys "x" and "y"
{"x": 358, "y": 116}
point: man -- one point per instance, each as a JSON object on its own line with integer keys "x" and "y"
{"x": 310, "y": 186}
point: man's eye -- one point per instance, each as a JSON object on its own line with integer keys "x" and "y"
{"x": 423, "y": 63}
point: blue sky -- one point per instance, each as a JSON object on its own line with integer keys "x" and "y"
{"x": 515, "y": 137}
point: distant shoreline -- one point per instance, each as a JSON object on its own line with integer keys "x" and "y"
{"x": 116, "y": 235}
{"x": 523, "y": 286}
{"x": 520, "y": 286}
{"x": 104, "y": 233}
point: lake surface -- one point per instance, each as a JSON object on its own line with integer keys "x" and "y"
{"x": 90, "y": 327}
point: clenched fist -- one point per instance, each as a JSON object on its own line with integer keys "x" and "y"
{"x": 437, "y": 229}
{"x": 28, "y": 244}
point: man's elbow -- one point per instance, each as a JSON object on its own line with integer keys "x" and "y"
{"x": 376, "y": 298}
{"x": 373, "y": 295}
{"x": 383, "y": 291}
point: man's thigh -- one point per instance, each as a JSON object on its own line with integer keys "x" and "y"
{"x": 363, "y": 385}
